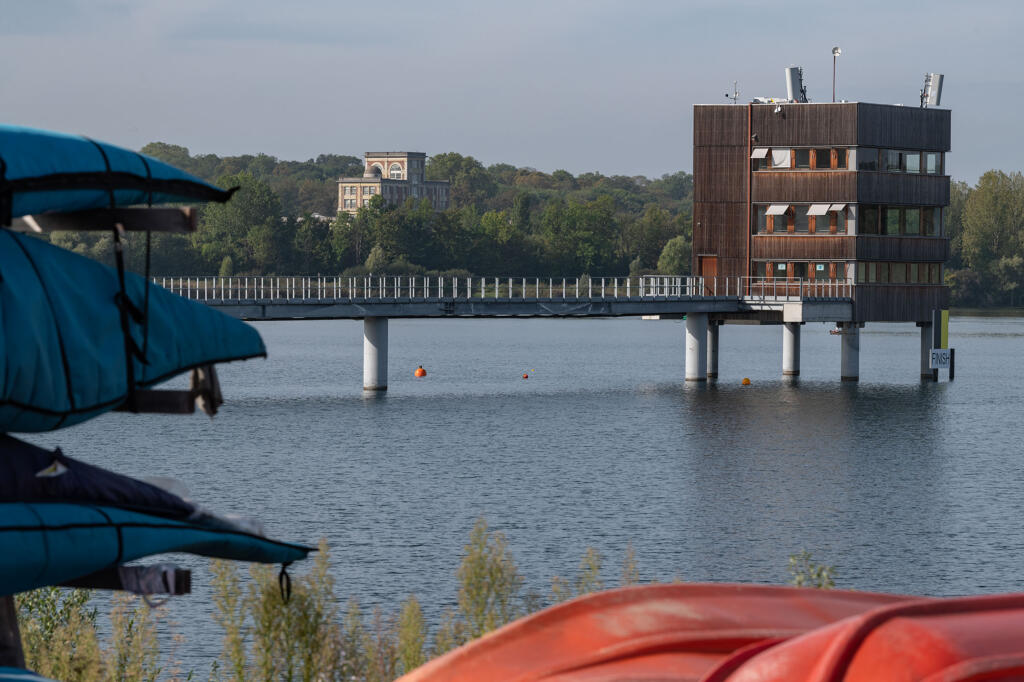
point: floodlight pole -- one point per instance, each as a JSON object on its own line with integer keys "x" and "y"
{"x": 834, "y": 58}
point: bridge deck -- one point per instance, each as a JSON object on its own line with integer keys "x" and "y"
{"x": 292, "y": 298}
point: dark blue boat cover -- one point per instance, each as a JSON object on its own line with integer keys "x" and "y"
{"x": 21, "y": 675}
{"x": 42, "y": 171}
{"x": 62, "y": 519}
{"x": 61, "y": 344}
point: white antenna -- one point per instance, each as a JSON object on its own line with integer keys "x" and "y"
{"x": 735, "y": 93}
{"x": 931, "y": 93}
{"x": 796, "y": 91}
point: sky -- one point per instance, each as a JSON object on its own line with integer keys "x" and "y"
{"x": 581, "y": 85}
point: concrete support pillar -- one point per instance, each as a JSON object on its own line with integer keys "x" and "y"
{"x": 850, "y": 370}
{"x": 926, "y": 350}
{"x": 696, "y": 346}
{"x": 791, "y": 349}
{"x": 713, "y": 328}
{"x": 375, "y": 354}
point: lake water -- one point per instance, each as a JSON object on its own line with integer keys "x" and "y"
{"x": 904, "y": 486}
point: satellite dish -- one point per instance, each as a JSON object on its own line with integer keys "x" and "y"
{"x": 836, "y": 51}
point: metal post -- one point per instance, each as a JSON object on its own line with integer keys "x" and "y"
{"x": 375, "y": 354}
{"x": 952, "y": 363}
{"x": 791, "y": 349}
{"x": 696, "y": 346}
{"x": 927, "y": 373}
{"x": 713, "y": 330}
{"x": 850, "y": 360}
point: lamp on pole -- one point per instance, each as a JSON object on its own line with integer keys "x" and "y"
{"x": 835, "y": 55}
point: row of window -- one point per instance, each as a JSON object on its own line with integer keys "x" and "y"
{"x": 842, "y": 158}
{"x": 899, "y": 273}
{"x": 801, "y": 219}
{"x": 809, "y": 270}
{"x": 354, "y": 203}
{"x": 823, "y": 158}
{"x": 900, "y": 220}
{"x": 836, "y": 218}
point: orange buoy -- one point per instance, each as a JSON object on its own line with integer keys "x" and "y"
{"x": 746, "y": 381}
{"x": 420, "y": 372}
{"x": 526, "y": 376}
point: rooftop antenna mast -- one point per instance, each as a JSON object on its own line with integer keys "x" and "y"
{"x": 735, "y": 93}
{"x": 835, "y": 56}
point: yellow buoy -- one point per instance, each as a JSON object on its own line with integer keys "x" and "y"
{"x": 746, "y": 381}
{"x": 420, "y": 372}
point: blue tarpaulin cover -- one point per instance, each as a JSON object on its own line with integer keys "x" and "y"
{"x": 61, "y": 519}
{"x": 22, "y": 675}
{"x": 62, "y": 346}
{"x": 43, "y": 171}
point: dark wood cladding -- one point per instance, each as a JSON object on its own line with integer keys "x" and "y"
{"x": 810, "y": 186}
{"x": 712, "y": 236}
{"x": 898, "y": 302}
{"x": 894, "y": 127}
{"x": 908, "y": 249}
{"x": 805, "y": 125}
{"x": 908, "y": 190}
{"x": 716, "y": 125}
{"x": 722, "y": 172}
{"x": 800, "y": 247}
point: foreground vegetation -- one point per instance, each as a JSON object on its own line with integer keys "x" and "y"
{"x": 307, "y": 636}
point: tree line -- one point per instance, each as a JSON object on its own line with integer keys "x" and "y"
{"x": 504, "y": 220}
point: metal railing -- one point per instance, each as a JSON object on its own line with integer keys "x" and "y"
{"x": 420, "y": 288}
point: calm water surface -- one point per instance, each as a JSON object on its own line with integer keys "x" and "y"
{"x": 904, "y": 486}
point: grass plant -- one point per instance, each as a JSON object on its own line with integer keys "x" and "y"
{"x": 306, "y": 637}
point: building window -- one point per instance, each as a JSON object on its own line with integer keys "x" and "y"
{"x": 867, "y": 159}
{"x": 803, "y": 158}
{"x": 822, "y": 159}
{"x": 898, "y": 273}
{"x": 933, "y": 162}
{"x": 369, "y": 191}
{"x": 911, "y": 162}
{"x": 780, "y": 158}
{"x": 350, "y": 203}
{"x": 366, "y": 202}
{"x": 891, "y": 220}
{"x": 781, "y": 270}
{"x": 891, "y": 160}
{"x": 912, "y": 221}
{"x": 867, "y": 223}
{"x": 840, "y": 159}
{"x": 761, "y": 221}
{"x": 395, "y": 173}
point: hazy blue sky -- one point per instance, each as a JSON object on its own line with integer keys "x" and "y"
{"x": 576, "y": 84}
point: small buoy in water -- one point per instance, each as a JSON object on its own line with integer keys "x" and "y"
{"x": 526, "y": 376}
{"x": 746, "y": 381}
{"x": 420, "y": 372}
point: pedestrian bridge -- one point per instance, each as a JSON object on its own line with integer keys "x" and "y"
{"x": 290, "y": 298}
{"x": 376, "y": 299}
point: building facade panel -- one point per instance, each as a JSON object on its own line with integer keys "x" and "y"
{"x": 720, "y": 173}
{"x": 872, "y": 248}
{"x": 902, "y": 189}
{"x": 897, "y": 127}
{"x": 795, "y": 247}
{"x": 898, "y": 303}
{"x": 714, "y": 125}
{"x": 804, "y": 186}
{"x": 804, "y": 124}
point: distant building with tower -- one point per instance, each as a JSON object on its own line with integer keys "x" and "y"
{"x": 395, "y": 176}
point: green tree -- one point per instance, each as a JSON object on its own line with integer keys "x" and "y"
{"x": 675, "y": 257}
{"x": 248, "y": 228}
{"x": 993, "y": 230}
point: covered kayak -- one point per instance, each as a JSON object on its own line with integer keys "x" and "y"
{"x": 61, "y": 519}
{"x": 662, "y": 632}
{"x": 62, "y": 336}
{"x": 43, "y": 171}
{"x": 937, "y": 640}
{"x": 21, "y": 675}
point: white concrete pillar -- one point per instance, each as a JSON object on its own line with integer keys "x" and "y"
{"x": 713, "y": 329}
{"x": 850, "y": 369}
{"x": 926, "y": 350}
{"x": 375, "y": 354}
{"x": 791, "y": 349}
{"x": 696, "y": 346}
